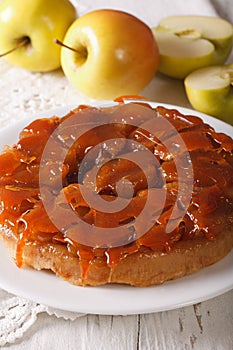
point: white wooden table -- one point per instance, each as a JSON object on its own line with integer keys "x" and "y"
{"x": 207, "y": 325}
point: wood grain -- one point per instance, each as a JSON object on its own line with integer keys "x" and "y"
{"x": 204, "y": 326}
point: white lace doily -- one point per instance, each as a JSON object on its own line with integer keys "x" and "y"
{"x": 17, "y": 315}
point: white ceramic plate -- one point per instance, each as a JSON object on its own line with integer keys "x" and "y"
{"x": 44, "y": 287}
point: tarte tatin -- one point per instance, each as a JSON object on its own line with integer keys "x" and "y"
{"x": 126, "y": 154}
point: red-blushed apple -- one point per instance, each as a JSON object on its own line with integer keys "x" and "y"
{"x": 187, "y": 43}
{"x": 114, "y": 53}
{"x": 210, "y": 91}
{"x": 28, "y": 29}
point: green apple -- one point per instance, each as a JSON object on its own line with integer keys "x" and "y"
{"x": 113, "y": 53}
{"x": 187, "y": 43}
{"x": 30, "y": 28}
{"x": 210, "y": 91}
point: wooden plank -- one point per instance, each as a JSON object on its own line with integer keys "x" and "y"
{"x": 208, "y": 325}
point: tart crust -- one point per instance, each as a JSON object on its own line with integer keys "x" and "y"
{"x": 143, "y": 268}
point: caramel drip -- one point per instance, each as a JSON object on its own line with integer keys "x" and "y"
{"x": 20, "y": 250}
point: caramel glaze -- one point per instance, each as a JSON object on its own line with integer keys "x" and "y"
{"x": 22, "y": 210}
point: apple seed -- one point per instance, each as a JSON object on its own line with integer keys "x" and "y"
{"x": 189, "y": 33}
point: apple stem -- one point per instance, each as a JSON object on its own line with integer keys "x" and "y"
{"x": 20, "y": 43}
{"x": 66, "y": 46}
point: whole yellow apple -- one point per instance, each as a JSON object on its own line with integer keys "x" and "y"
{"x": 114, "y": 53}
{"x": 32, "y": 26}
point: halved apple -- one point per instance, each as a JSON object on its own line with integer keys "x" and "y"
{"x": 210, "y": 90}
{"x": 187, "y": 43}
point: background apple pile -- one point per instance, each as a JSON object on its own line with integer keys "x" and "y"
{"x": 109, "y": 53}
